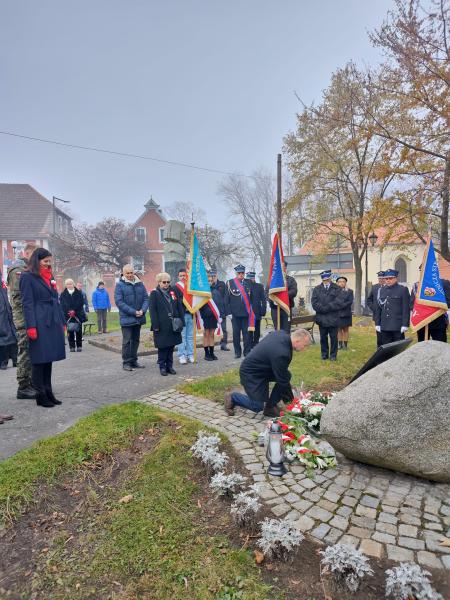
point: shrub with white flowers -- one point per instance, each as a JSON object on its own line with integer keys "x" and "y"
{"x": 410, "y": 581}
{"x": 245, "y": 508}
{"x": 278, "y": 538}
{"x": 227, "y": 485}
{"x": 347, "y": 564}
{"x": 213, "y": 460}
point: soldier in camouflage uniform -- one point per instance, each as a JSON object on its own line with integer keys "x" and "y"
{"x": 25, "y": 389}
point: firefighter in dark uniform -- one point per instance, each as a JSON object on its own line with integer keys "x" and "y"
{"x": 236, "y": 306}
{"x": 285, "y": 321}
{"x": 327, "y": 301}
{"x": 392, "y": 309}
{"x": 259, "y": 305}
{"x": 25, "y": 389}
{"x": 372, "y": 298}
{"x": 221, "y": 287}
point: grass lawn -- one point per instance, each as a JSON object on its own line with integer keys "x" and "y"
{"x": 154, "y": 546}
{"x": 112, "y": 322}
{"x": 306, "y": 367}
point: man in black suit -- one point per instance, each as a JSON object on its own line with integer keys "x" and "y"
{"x": 392, "y": 309}
{"x": 259, "y": 305}
{"x": 327, "y": 300}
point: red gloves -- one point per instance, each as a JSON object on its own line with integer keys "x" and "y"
{"x": 32, "y": 333}
{"x": 71, "y": 313}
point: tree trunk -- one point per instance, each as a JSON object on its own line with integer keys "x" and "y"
{"x": 358, "y": 282}
{"x": 445, "y": 250}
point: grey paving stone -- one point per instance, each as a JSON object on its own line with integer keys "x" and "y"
{"x": 428, "y": 559}
{"x": 302, "y": 505}
{"x": 445, "y": 510}
{"x": 348, "y": 501}
{"x": 339, "y": 522}
{"x": 359, "y": 532}
{"x": 384, "y": 538}
{"x": 344, "y": 511}
{"x": 266, "y": 494}
{"x": 407, "y": 530}
{"x": 386, "y": 528}
{"x": 319, "y": 513}
{"x": 389, "y": 509}
{"x": 259, "y": 477}
{"x": 432, "y": 541}
{"x": 350, "y": 540}
{"x": 327, "y": 505}
{"x": 365, "y": 511}
{"x": 409, "y": 519}
{"x": 364, "y": 522}
{"x": 446, "y": 562}
{"x": 308, "y": 484}
{"x": 309, "y": 495}
{"x": 331, "y": 496}
{"x": 333, "y": 536}
{"x": 305, "y": 523}
{"x": 280, "y": 509}
{"x": 369, "y": 501}
{"x": 371, "y": 548}
{"x": 321, "y": 531}
{"x": 291, "y": 498}
{"x": 387, "y": 518}
{"x": 353, "y": 493}
{"x": 297, "y": 489}
{"x": 409, "y": 510}
{"x": 412, "y": 543}
{"x": 430, "y": 517}
{"x": 434, "y": 526}
{"x": 280, "y": 487}
{"x": 399, "y": 554}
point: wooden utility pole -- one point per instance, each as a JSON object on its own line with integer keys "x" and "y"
{"x": 279, "y": 197}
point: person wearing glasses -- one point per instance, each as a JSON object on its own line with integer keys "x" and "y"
{"x": 167, "y": 316}
{"x": 392, "y": 309}
{"x": 131, "y": 299}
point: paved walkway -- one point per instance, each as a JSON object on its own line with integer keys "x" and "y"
{"x": 84, "y": 382}
{"x": 385, "y": 514}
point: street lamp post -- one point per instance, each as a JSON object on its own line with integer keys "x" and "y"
{"x": 373, "y": 240}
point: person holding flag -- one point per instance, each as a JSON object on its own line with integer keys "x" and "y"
{"x": 211, "y": 319}
{"x": 277, "y": 288}
{"x": 430, "y": 300}
{"x": 185, "y": 350}
{"x": 238, "y": 305}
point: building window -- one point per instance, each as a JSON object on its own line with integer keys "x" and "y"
{"x": 141, "y": 234}
{"x": 401, "y": 267}
{"x": 161, "y": 234}
{"x": 138, "y": 264}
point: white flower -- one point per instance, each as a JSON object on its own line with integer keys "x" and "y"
{"x": 347, "y": 564}
{"x": 409, "y": 581}
{"x": 226, "y": 485}
{"x": 278, "y": 537}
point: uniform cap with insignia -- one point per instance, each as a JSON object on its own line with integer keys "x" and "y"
{"x": 251, "y": 274}
{"x": 239, "y": 269}
{"x": 325, "y": 275}
{"x": 380, "y": 274}
{"x": 391, "y": 273}
{"x": 212, "y": 272}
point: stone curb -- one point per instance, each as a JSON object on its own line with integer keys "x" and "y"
{"x": 383, "y": 513}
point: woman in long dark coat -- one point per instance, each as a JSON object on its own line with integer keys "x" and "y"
{"x": 345, "y": 314}
{"x": 72, "y": 304}
{"x": 7, "y": 332}
{"x": 44, "y": 322}
{"x": 165, "y": 305}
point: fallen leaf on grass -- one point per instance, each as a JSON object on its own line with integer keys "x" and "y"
{"x": 141, "y": 438}
{"x": 259, "y": 557}
{"x": 179, "y": 427}
{"x": 445, "y": 542}
{"x": 126, "y": 499}
{"x": 199, "y": 504}
{"x": 161, "y": 529}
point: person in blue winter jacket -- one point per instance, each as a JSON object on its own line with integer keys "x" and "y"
{"x": 102, "y": 305}
{"x": 131, "y": 299}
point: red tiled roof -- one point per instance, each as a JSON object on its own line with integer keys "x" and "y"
{"x": 24, "y": 213}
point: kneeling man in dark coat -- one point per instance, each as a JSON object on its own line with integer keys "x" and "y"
{"x": 268, "y": 361}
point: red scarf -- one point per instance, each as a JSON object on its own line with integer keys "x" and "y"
{"x": 46, "y": 275}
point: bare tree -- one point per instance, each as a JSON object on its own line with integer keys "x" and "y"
{"x": 108, "y": 245}
{"x": 252, "y": 203}
{"x": 186, "y": 213}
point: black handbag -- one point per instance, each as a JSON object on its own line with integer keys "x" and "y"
{"x": 73, "y": 326}
{"x": 177, "y": 324}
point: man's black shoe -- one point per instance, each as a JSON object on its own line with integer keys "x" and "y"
{"x": 163, "y": 372}
{"x": 172, "y": 371}
{"x": 27, "y": 393}
{"x": 72, "y": 349}
{"x": 332, "y": 358}
{"x": 237, "y": 356}
{"x": 224, "y": 348}
{"x": 271, "y": 411}
{"x": 4, "y": 366}
{"x": 127, "y": 367}
{"x": 79, "y": 349}
{"x": 229, "y": 404}
{"x": 138, "y": 366}
{"x": 324, "y": 357}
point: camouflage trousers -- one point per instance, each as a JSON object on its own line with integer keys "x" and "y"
{"x": 23, "y": 360}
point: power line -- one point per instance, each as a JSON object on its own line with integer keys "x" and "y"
{"x": 125, "y": 154}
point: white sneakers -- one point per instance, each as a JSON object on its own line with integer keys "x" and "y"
{"x": 191, "y": 359}
{"x": 183, "y": 360}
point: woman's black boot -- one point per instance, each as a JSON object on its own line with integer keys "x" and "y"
{"x": 211, "y": 353}
{"x": 51, "y": 397}
{"x": 207, "y": 353}
{"x": 42, "y": 400}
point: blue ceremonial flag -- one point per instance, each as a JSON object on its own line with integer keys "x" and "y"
{"x": 197, "y": 284}
{"x": 277, "y": 285}
{"x": 430, "y": 291}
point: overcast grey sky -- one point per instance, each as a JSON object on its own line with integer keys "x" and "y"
{"x": 208, "y": 82}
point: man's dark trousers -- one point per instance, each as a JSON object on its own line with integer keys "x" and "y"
{"x": 439, "y": 334}
{"x": 391, "y": 336}
{"x": 257, "y": 397}
{"x": 240, "y": 324}
{"x": 331, "y": 332}
{"x": 130, "y": 344}
{"x": 255, "y": 335}
{"x": 284, "y": 319}
{"x": 223, "y": 343}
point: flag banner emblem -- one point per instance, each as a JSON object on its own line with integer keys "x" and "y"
{"x": 197, "y": 285}
{"x": 430, "y": 302}
{"x": 277, "y": 285}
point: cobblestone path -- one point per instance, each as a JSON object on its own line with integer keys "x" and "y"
{"x": 383, "y": 513}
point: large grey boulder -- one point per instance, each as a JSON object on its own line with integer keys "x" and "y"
{"x": 397, "y": 415}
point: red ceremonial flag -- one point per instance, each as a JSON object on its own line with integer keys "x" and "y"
{"x": 277, "y": 285}
{"x": 429, "y": 303}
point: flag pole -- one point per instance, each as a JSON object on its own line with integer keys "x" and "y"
{"x": 194, "y": 323}
{"x": 278, "y": 317}
{"x": 426, "y": 333}
{"x": 279, "y": 225}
